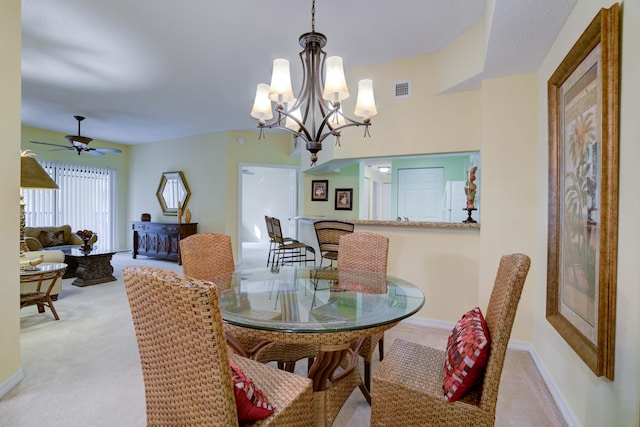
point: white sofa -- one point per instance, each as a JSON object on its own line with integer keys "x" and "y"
{"x": 51, "y": 257}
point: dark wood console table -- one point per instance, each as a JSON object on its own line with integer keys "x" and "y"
{"x": 160, "y": 239}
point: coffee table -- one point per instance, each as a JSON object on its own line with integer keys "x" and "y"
{"x": 90, "y": 267}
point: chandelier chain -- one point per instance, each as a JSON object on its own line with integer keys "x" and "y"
{"x": 313, "y": 16}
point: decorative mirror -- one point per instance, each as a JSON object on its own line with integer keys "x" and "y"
{"x": 173, "y": 192}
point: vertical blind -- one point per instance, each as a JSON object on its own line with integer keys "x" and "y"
{"x": 85, "y": 200}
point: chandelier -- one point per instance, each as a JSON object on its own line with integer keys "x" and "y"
{"x": 316, "y": 113}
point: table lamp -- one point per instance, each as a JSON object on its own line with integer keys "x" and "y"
{"x": 33, "y": 176}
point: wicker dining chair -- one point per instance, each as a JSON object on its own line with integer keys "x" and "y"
{"x": 408, "y": 385}
{"x": 365, "y": 251}
{"x": 185, "y": 361}
{"x": 207, "y": 255}
{"x": 328, "y": 234}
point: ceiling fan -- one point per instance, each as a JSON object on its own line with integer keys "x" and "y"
{"x": 80, "y": 143}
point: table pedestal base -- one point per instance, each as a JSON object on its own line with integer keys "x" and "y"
{"x": 91, "y": 270}
{"x": 331, "y": 390}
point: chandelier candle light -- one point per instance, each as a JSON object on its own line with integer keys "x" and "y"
{"x": 316, "y": 113}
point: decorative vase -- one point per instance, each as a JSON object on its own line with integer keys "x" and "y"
{"x": 179, "y": 214}
{"x": 187, "y": 216}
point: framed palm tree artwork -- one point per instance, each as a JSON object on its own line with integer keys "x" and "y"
{"x": 583, "y": 194}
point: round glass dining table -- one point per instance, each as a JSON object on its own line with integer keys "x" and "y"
{"x": 335, "y": 309}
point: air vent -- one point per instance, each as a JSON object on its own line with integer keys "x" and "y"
{"x": 402, "y": 89}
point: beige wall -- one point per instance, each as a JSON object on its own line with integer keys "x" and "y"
{"x": 508, "y": 169}
{"x": 443, "y": 264}
{"x": 119, "y": 162}
{"x": 9, "y": 192}
{"x": 500, "y": 119}
{"x": 210, "y": 166}
{"x": 201, "y": 158}
{"x": 597, "y": 401}
{"x": 423, "y": 123}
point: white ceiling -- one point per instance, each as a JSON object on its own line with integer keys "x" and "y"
{"x": 150, "y": 70}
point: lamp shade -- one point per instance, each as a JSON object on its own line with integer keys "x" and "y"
{"x": 335, "y": 85}
{"x": 280, "y": 90}
{"x": 33, "y": 176}
{"x": 262, "y": 104}
{"x": 290, "y": 123}
{"x": 366, "y": 103}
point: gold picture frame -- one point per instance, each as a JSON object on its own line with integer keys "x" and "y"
{"x": 583, "y": 97}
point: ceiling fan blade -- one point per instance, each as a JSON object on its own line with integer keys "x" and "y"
{"x": 94, "y": 152}
{"x": 55, "y": 145}
{"x": 107, "y": 150}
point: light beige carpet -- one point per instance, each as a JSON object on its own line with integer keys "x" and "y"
{"x": 83, "y": 370}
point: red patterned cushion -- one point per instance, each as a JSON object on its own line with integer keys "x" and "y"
{"x": 251, "y": 402}
{"x": 467, "y": 352}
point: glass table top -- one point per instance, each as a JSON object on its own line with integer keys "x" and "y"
{"x": 45, "y": 267}
{"x": 78, "y": 251}
{"x": 298, "y": 299}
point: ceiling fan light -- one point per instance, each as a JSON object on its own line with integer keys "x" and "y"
{"x": 79, "y": 141}
{"x": 335, "y": 86}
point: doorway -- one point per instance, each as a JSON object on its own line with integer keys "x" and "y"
{"x": 265, "y": 190}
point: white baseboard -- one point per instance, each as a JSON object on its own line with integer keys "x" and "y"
{"x": 568, "y": 415}
{"x": 515, "y": 345}
{"x": 436, "y": 324}
{"x": 11, "y": 382}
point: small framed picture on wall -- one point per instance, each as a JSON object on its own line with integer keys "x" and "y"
{"x": 320, "y": 190}
{"x": 344, "y": 199}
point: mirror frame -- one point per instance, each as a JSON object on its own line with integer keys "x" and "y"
{"x": 166, "y": 176}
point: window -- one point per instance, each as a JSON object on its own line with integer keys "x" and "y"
{"x": 85, "y": 200}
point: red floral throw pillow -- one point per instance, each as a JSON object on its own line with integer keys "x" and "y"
{"x": 251, "y": 402}
{"x": 467, "y": 352}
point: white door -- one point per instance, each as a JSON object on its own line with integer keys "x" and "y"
{"x": 420, "y": 194}
{"x": 386, "y": 201}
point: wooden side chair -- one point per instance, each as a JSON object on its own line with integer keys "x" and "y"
{"x": 185, "y": 361}
{"x": 207, "y": 255}
{"x": 365, "y": 252}
{"x": 328, "y": 234}
{"x": 408, "y": 385}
